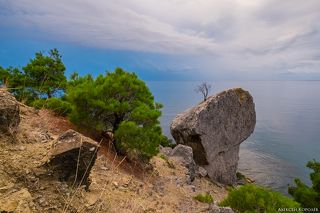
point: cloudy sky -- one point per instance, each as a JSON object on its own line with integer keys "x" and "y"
{"x": 169, "y": 39}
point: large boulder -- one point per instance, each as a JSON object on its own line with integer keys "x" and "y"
{"x": 72, "y": 157}
{"x": 215, "y": 129}
{"x": 9, "y": 113}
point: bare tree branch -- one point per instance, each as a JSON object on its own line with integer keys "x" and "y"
{"x": 204, "y": 88}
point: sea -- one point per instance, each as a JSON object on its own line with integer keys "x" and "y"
{"x": 287, "y": 132}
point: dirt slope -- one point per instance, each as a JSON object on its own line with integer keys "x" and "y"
{"x": 117, "y": 185}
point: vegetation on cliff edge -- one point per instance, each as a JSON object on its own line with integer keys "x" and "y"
{"x": 308, "y": 197}
{"x": 252, "y": 198}
{"x": 121, "y": 103}
{"x": 118, "y": 102}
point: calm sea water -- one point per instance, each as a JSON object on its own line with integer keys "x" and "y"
{"x": 287, "y": 133}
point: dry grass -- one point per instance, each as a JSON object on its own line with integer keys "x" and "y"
{"x": 118, "y": 185}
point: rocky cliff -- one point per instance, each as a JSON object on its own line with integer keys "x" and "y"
{"x": 46, "y": 167}
{"x": 215, "y": 129}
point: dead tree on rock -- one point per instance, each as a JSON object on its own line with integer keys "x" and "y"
{"x": 204, "y": 88}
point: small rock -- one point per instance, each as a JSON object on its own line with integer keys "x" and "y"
{"x": 193, "y": 188}
{"x": 41, "y": 200}
{"x": 226, "y": 210}
{"x": 38, "y": 171}
{"x": 241, "y": 182}
{"x": 122, "y": 188}
{"x": 188, "y": 179}
{"x": 202, "y": 171}
{"x": 22, "y": 148}
{"x": 217, "y": 209}
{"x": 91, "y": 199}
{"x": 32, "y": 178}
{"x": 45, "y": 137}
{"x": 89, "y": 207}
{"x": 104, "y": 168}
{"x": 249, "y": 180}
{"x": 115, "y": 184}
{"x": 165, "y": 150}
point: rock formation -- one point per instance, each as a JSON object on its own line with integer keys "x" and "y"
{"x": 43, "y": 171}
{"x": 185, "y": 155}
{"x": 72, "y": 157}
{"x": 185, "y": 152}
{"x": 9, "y": 113}
{"x": 215, "y": 129}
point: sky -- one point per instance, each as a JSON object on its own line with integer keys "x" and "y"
{"x": 168, "y": 39}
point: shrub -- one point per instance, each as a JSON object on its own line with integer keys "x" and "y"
{"x": 166, "y": 159}
{"x": 163, "y": 157}
{"x": 240, "y": 176}
{"x": 138, "y": 142}
{"x": 39, "y": 104}
{"x": 252, "y": 198}
{"x": 204, "y": 198}
{"x": 57, "y": 105}
{"x": 42, "y": 77}
{"x": 168, "y": 143}
{"x": 308, "y": 197}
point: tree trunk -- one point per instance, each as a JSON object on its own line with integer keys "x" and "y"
{"x": 117, "y": 121}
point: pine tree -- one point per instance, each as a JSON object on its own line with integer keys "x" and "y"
{"x": 45, "y": 74}
{"x": 121, "y": 103}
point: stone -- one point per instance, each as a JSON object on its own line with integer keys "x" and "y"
{"x": 91, "y": 199}
{"x": 165, "y": 150}
{"x": 249, "y": 180}
{"x": 9, "y": 113}
{"x": 186, "y": 153}
{"x": 193, "y": 188}
{"x": 202, "y": 171}
{"x": 225, "y": 210}
{"x": 115, "y": 184}
{"x": 22, "y": 148}
{"x": 217, "y": 209}
{"x": 72, "y": 158}
{"x": 104, "y": 168}
{"x": 215, "y": 129}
